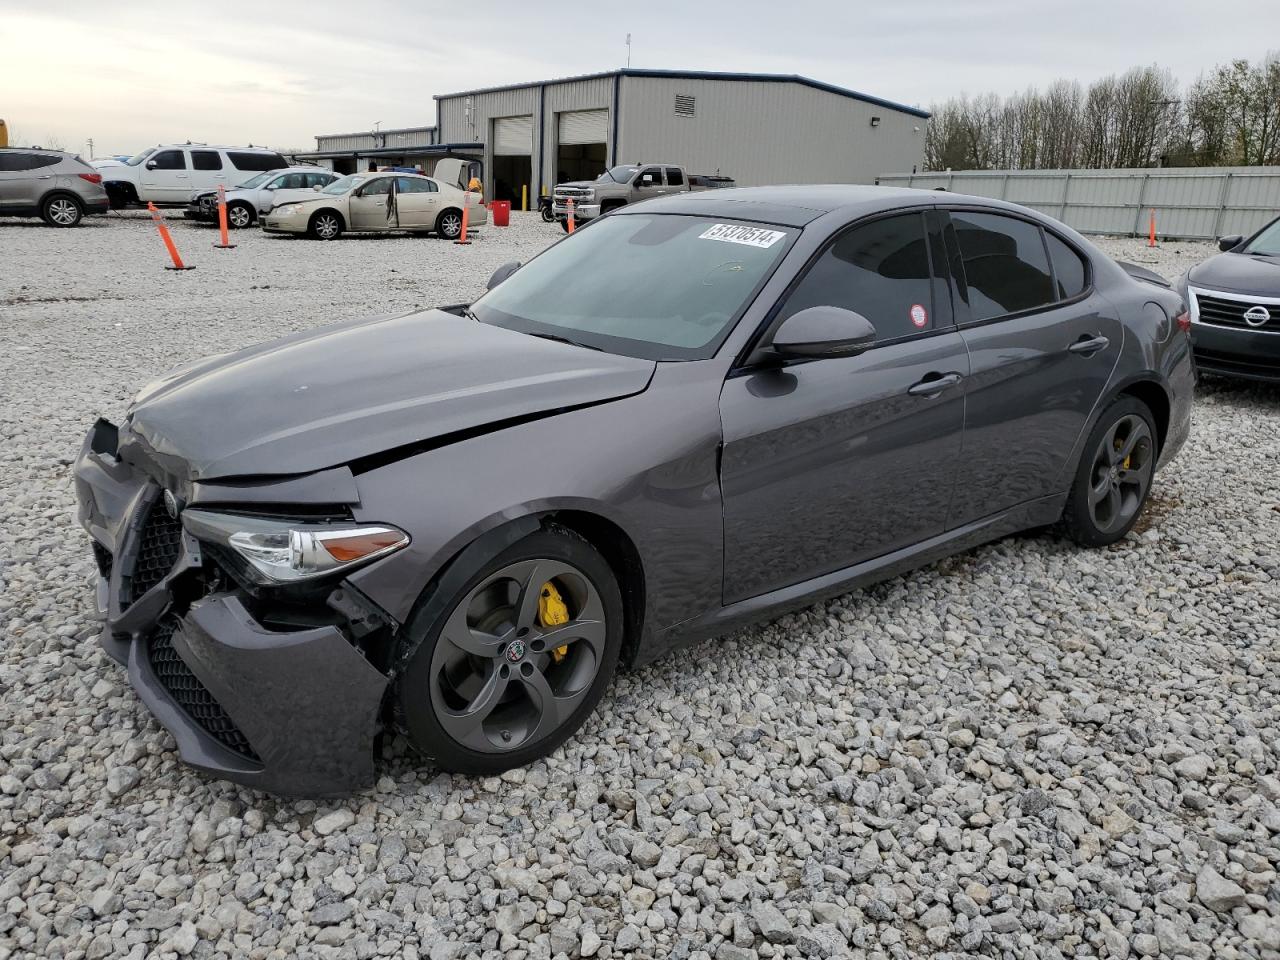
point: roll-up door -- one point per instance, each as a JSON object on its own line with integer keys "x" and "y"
{"x": 513, "y": 136}
{"x": 584, "y": 126}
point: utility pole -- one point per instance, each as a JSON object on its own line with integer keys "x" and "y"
{"x": 89, "y": 143}
{"x": 628, "y": 50}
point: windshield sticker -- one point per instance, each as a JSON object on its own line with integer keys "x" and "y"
{"x": 747, "y": 236}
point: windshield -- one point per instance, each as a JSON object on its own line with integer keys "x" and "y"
{"x": 134, "y": 161}
{"x": 255, "y": 181}
{"x": 343, "y": 184}
{"x": 1267, "y": 242}
{"x": 620, "y": 173}
{"x": 656, "y": 286}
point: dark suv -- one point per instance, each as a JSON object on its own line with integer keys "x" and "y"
{"x": 58, "y": 187}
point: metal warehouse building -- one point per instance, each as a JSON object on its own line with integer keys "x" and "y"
{"x": 755, "y": 128}
{"x": 402, "y": 147}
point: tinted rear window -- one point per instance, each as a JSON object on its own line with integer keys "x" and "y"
{"x": 256, "y": 161}
{"x": 206, "y": 160}
{"x": 1005, "y": 264}
{"x": 1070, "y": 273}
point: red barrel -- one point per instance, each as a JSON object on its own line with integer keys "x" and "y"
{"x": 501, "y": 210}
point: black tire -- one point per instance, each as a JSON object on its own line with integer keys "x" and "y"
{"x": 547, "y": 214}
{"x": 61, "y": 210}
{"x": 1113, "y": 478}
{"x": 449, "y": 224}
{"x": 240, "y": 215}
{"x": 325, "y": 225}
{"x": 421, "y": 694}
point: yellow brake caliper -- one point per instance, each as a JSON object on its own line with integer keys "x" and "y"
{"x": 552, "y": 612}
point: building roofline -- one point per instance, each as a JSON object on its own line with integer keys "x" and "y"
{"x": 369, "y": 133}
{"x": 698, "y": 75}
{"x": 390, "y": 151}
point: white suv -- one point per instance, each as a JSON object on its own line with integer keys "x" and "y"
{"x": 258, "y": 194}
{"x": 170, "y": 173}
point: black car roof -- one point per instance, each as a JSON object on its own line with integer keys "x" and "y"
{"x": 788, "y": 206}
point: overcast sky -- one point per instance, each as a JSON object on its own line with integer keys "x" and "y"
{"x": 132, "y": 73}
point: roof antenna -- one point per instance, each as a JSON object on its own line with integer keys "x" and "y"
{"x": 628, "y": 51}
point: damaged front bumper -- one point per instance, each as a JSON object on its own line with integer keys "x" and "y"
{"x": 293, "y": 710}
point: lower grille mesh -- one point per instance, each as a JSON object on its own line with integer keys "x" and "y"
{"x": 190, "y": 694}
{"x": 161, "y": 542}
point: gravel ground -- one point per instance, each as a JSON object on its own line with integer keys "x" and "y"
{"x": 1026, "y": 750}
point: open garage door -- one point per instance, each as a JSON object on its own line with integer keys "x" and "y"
{"x": 512, "y": 157}
{"x": 581, "y": 151}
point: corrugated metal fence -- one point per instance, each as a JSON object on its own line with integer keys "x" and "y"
{"x": 1190, "y": 202}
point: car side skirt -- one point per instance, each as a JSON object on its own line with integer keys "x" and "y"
{"x": 1035, "y": 513}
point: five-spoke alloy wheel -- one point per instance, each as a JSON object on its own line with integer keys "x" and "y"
{"x": 1114, "y": 475}
{"x": 61, "y": 211}
{"x": 516, "y": 660}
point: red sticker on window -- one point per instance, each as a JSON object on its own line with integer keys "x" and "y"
{"x": 919, "y": 315}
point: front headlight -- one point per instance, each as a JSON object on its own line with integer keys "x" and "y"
{"x": 287, "y": 210}
{"x": 281, "y": 551}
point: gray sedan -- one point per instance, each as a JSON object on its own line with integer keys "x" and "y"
{"x": 694, "y": 413}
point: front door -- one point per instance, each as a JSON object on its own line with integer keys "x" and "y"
{"x": 368, "y": 205}
{"x": 831, "y": 462}
{"x": 166, "y": 178}
{"x": 1042, "y": 346}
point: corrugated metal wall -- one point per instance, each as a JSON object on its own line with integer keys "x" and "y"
{"x": 765, "y": 132}
{"x": 409, "y": 137}
{"x": 1194, "y": 203}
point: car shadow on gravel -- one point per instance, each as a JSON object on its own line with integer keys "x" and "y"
{"x": 1237, "y": 392}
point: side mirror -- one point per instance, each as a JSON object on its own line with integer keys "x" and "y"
{"x": 504, "y": 271}
{"x": 270, "y": 186}
{"x": 317, "y": 188}
{"x": 151, "y": 164}
{"x": 1229, "y": 243}
{"x": 823, "y": 332}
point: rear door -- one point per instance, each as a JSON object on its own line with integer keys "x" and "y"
{"x": 676, "y": 181}
{"x": 831, "y": 462}
{"x": 208, "y": 171}
{"x": 417, "y": 200}
{"x": 1042, "y": 345}
{"x": 166, "y": 177}
{"x": 24, "y": 178}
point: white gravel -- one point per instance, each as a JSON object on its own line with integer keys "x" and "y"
{"x": 1026, "y": 750}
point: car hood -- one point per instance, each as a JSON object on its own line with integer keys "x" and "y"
{"x": 1239, "y": 273}
{"x": 368, "y": 387}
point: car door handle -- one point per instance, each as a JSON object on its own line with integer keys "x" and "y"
{"x": 933, "y": 384}
{"x": 45, "y": 176}
{"x": 1088, "y": 346}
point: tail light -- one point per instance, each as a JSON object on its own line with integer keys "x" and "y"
{"x": 1183, "y": 320}
{"x": 91, "y": 177}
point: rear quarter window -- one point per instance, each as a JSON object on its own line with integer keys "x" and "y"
{"x": 1070, "y": 271}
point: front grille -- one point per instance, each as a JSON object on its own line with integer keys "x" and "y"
{"x": 1224, "y": 312}
{"x": 577, "y": 193}
{"x": 158, "y": 550}
{"x": 190, "y": 694}
{"x": 103, "y": 556}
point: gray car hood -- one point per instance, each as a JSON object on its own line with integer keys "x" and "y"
{"x": 1239, "y": 273}
{"x": 341, "y": 393}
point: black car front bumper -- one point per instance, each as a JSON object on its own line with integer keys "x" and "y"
{"x": 294, "y": 711}
{"x": 1231, "y": 352}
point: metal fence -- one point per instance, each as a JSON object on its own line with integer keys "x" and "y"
{"x": 1193, "y": 203}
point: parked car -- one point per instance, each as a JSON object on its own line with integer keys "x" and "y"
{"x": 378, "y": 203}
{"x": 1235, "y": 306}
{"x": 58, "y": 187}
{"x": 456, "y": 522}
{"x": 253, "y": 198}
{"x": 170, "y": 173}
{"x": 627, "y": 183}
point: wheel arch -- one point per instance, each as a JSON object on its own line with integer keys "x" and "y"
{"x": 1150, "y": 391}
{"x": 334, "y": 210}
{"x": 53, "y": 192}
{"x": 607, "y": 206}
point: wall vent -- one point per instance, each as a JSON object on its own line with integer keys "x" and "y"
{"x": 685, "y": 105}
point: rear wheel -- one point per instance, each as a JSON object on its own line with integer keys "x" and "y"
{"x": 61, "y": 211}
{"x": 239, "y": 215}
{"x": 513, "y": 663}
{"x": 1114, "y": 475}
{"x": 325, "y": 225}
{"x": 449, "y": 224}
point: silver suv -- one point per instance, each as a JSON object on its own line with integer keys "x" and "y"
{"x": 58, "y": 187}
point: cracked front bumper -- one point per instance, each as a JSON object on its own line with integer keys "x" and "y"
{"x": 293, "y": 711}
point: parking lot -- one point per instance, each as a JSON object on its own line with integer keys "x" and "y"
{"x": 1025, "y": 750}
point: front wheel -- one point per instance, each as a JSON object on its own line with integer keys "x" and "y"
{"x": 512, "y": 664}
{"x": 61, "y": 211}
{"x": 547, "y": 213}
{"x": 325, "y": 225}
{"x": 239, "y": 216}
{"x": 1114, "y": 475}
{"x": 449, "y": 224}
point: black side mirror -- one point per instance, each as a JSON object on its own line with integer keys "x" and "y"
{"x": 823, "y": 332}
{"x": 1229, "y": 243}
{"x": 504, "y": 271}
